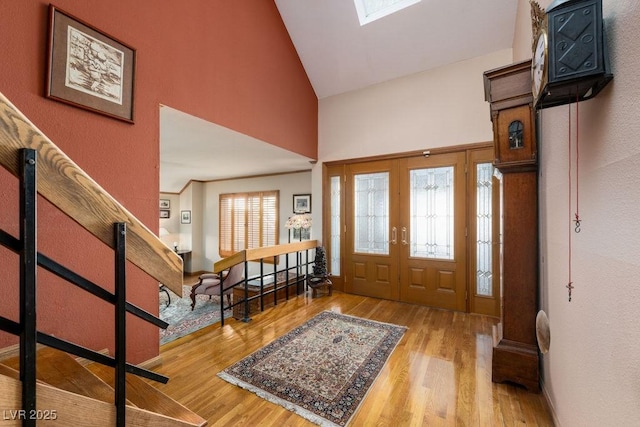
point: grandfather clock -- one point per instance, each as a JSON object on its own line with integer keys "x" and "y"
{"x": 515, "y": 352}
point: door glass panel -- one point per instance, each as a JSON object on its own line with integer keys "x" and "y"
{"x": 431, "y": 213}
{"x": 484, "y": 232}
{"x": 371, "y": 219}
{"x": 335, "y": 226}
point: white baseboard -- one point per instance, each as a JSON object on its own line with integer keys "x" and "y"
{"x": 545, "y": 393}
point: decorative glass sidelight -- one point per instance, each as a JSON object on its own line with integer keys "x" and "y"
{"x": 431, "y": 213}
{"x": 484, "y": 231}
{"x": 335, "y": 226}
{"x": 371, "y": 219}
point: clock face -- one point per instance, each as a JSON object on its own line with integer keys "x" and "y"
{"x": 539, "y": 64}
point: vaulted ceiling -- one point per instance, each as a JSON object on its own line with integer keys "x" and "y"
{"x": 339, "y": 55}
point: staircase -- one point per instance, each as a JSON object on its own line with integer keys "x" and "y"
{"x": 45, "y": 384}
{"x": 84, "y": 395}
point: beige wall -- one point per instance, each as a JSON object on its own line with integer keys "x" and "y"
{"x": 435, "y": 108}
{"x": 171, "y": 224}
{"x": 287, "y": 184}
{"x": 522, "y": 37}
{"x": 201, "y": 236}
{"x": 592, "y": 370}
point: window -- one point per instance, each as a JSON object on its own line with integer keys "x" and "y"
{"x": 432, "y": 213}
{"x": 247, "y": 221}
{"x": 371, "y": 220}
{"x": 336, "y": 227}
{"x": 484, "y": 229}
{"x": 370, "y": 10}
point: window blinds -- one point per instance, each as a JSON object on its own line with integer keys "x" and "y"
{"x": 248, "y": 220}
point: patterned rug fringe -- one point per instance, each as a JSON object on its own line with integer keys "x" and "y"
{"x": 321, "y": 370}
{"x": 307, "y": 415}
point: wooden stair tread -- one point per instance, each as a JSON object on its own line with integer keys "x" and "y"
{"x": 145, "y": 396}
{"x": 63, "y": 375}
{"x": 60, "y": 370}
{"x": 70, "y": 409}
{"x": 9, "y": 372}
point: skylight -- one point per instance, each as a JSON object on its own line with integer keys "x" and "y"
{"x": 370, "y": 10}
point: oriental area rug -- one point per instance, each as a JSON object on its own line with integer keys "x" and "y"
{"x": 322, "y": 369}
{"x": 181, "y": 319}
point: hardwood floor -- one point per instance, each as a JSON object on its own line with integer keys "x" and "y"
{"x": 440, "y": 373}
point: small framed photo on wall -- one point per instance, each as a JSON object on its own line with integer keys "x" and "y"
{"x": 165, "y": 204}
{"x": 164, "y": 214}
{"x": 185, "y": 217}
{"x": 301, "y": 203}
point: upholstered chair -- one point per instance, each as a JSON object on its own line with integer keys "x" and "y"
{"x": 209, "y": 284}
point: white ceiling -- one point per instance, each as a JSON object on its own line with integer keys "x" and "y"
{"x": 339, "y": 56}
{"x": 194, "y": 149}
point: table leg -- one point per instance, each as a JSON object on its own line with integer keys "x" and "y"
{"x": 164, "y": 288}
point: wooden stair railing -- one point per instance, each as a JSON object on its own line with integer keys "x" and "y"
{"x": 75, "y": 193}
{"x": 40, "y": 165}
{"x": 271, "y": 253}
{"x": 256, "y": 254}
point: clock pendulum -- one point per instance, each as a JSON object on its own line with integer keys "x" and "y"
{"x": 575, "y": 216}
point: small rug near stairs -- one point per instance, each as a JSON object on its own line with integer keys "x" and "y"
{"x": 322, "y": 369}
{"x": 182, "y": 321}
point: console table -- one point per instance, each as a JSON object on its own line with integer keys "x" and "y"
{"x": 186, "y": 260}
{"x": 186, "y": 257}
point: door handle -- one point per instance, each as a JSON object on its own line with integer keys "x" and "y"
{"x": 404, "y": 235}
{"x": 394, "y": 236}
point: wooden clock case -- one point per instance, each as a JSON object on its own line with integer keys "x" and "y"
{"x": 577, "y": 69}
{"x": 515, "y": 352}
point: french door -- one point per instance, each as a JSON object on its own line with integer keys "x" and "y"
{"x": 372, "y": 221}
{"x": 420, "y": 230}
{"x": 405, "y": 236}
{"x": 432, "y": 231}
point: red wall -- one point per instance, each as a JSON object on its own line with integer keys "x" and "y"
{"x": 229, "y": 62}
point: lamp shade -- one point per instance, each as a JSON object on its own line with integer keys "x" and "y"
{"x": 299, "y": 221}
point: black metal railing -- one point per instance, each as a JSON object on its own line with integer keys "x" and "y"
{"x": 26, "y": 328}
{"x": 293, "y": 275}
